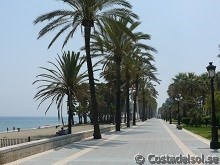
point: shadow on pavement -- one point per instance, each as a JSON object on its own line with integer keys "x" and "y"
{"x": 215, "y": 151}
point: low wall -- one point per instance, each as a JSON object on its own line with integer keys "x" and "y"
{"x": 12, "y": 153}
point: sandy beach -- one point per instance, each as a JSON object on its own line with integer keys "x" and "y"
{"x": 42, "y": 132}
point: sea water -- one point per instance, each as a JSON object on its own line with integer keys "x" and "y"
{"x": 29, "y": 122}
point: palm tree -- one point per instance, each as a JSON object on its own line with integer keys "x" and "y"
{"x": 64, "y": 80}
{"x": 137, "y": 54}
{"x": 86, "y": 13}
{"x": 112, "y": 41}
{"x": 83, "y": 101}
{"x": 117, "y": 40}
{"x": 143, "y": 69}
{"x": 109, "y": 76}
{"x": 127, "y": 70}
{"x": 191, "y": 88}
{"x": 149, "y": 94}
{"x": 128, "y": 65}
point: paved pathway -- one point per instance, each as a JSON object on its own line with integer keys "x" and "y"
{"x": 153, "y": 137}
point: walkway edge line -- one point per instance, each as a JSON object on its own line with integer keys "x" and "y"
{"x": 178, "y": 142}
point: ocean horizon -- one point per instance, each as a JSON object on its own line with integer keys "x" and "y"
{"x": 29, "y": 122}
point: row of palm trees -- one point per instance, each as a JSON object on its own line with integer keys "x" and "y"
{"x": 125, "y": 58}
{"x": 195, "y": 95}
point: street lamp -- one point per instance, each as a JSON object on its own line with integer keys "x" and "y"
{"x": 166, "y": 115}
{"x": 214, "y": 144}
{"x": 170, "y": 115}
{"x": 178, "y": 97}
{"x": 163, "y": 115}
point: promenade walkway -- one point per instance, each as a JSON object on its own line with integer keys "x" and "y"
{"x": 153, "y": 137}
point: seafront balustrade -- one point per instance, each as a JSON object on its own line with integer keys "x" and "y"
{"x": 9, "y": 142}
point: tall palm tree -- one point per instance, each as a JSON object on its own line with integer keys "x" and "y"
{"x": 117, "y": 40}
{"x": 149, "y": 93}
{"x": 128, "y": 65}
{"x": 109, "y": 76}
{"x": 137, "y": 54}
{"x": 64, "y": 80}
{"x": 83, "y": 101}
{"x": 113, "y": 41}
{"x": 143, "y": 69}
{"x": 86, "y": 13}
{"x": 189, "y": 86}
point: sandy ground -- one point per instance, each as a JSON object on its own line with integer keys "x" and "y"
{"x": 42, "y": 132}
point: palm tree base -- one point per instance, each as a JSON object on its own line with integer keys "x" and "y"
{"x": 99, "y": 136}
{"x": 118, "y": 127}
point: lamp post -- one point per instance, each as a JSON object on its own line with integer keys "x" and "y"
{"x": 178, "y": 97}
{"x": 166, "y": 114}
{"x": 170, "y": 115}
{"x": 214, "y": 144}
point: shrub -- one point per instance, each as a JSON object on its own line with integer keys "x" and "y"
{"x": 218, "y": 122}
{"x": 207, "y": 120}
{"x": 196, "y": 121}
{"x": 186, "y": 120}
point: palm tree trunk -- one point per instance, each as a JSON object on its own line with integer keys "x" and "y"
{"x": 73, "y": 110}
{"x": 127, "y": 100}
{"x": 146, "y": 111}
{"x": 143, "y": 106}
{"x": 85, "y": 118}
{"x": 150, "y": 115}
{"x": 135, "y": 103}
{"x": 97, "y": 134}
{"x": 118, "y": 95}
{"x": 70, "y": 113}
{"x": 125, "y": 114}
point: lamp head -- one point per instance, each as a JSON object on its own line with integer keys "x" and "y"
{"x": 211, "y": 70}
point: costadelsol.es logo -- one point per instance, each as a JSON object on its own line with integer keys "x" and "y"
{"x": 139, "y": 159}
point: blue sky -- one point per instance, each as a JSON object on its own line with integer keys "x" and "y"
{"x": 186, "y": 34}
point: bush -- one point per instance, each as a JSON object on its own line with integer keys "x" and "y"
{"x": 196, "y": 121}
{"x": 207, "y": 120}
{"x": 186, "y": 120}
{"x": 192, "y": 121}
{"x": 217, "y": 121}
{"x": 199, "y": 121}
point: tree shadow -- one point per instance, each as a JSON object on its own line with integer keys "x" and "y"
{"x": 211, "y": 150}
{"x": 215, "y": 151}
{"x": 95, "y": 143}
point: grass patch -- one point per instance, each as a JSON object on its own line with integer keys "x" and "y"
{"x": 204, "y": 131}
